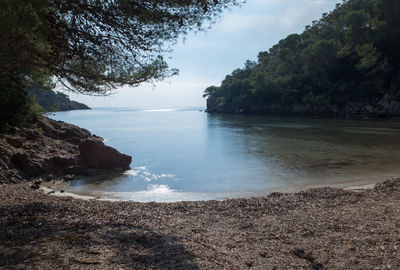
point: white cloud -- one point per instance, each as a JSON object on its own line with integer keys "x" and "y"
{"x": 286, "y": 17}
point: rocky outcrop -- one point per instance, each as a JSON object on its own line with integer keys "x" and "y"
{"x": 100, "y": 156}
{"x": 53, "y": 149}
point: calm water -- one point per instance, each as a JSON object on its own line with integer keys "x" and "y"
{"x": 190, "y": 155}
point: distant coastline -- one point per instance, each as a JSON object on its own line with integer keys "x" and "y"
{"x": 357, "y": 112}
{"x": 55, "y": 101}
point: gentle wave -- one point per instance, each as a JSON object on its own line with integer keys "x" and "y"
{"x": 145, "y": 174}
{"x": 163, "y": 189}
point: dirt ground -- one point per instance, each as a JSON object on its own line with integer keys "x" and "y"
{"x": 322, "y": 228}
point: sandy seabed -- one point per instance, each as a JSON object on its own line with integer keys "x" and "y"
{"x": 324, "y": 228}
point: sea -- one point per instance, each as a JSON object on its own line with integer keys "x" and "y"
{"x": 185, "y": 154}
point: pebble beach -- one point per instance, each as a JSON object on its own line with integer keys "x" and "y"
{"x": 322, "y": 228}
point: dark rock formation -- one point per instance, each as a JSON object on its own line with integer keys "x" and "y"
{"x": 100, "y": 156}
{"x": 55, "y": 149}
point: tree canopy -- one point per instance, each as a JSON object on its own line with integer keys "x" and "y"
{"x": 92, "y": 46}
{"x": 346, "y": 62}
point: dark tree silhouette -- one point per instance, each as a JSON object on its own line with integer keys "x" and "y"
{"x": 93, "y": 46}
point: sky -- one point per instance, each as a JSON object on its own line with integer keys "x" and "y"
{"x": 205, "y": 58}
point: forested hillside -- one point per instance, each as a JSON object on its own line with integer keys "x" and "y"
{"x": 345, "y": 64}
{"x": 55, "y": 101}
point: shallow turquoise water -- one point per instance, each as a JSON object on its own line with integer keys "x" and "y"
{"x": 185, "y": 154}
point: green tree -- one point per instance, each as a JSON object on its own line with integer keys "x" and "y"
{"x": 350, "y": 58}
{"x": 93, "y": 46}
{"x": 16, "y": 106}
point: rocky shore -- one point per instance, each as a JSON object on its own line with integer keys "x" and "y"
{"x": 323, "y": 228}
{"x": 55, "y": 149}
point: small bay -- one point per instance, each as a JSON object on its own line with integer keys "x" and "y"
{"x": 186, "y": 154}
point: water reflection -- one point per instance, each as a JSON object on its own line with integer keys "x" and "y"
{"x": 191, "y": 155}
{"x": 312, "y": 150}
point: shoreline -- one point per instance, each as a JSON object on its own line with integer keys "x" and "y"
{"x": 320, "y": 228}
{"x": 294, "y": 115}
{"x": 54, "y": 188}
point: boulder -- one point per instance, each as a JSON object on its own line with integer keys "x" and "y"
{"x": 100, "y": 156}
{"x": 52, "y": 150}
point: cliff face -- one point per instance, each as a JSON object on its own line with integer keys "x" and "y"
{"x": 55, "y": 101}
{"x": 55, "y": 149}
